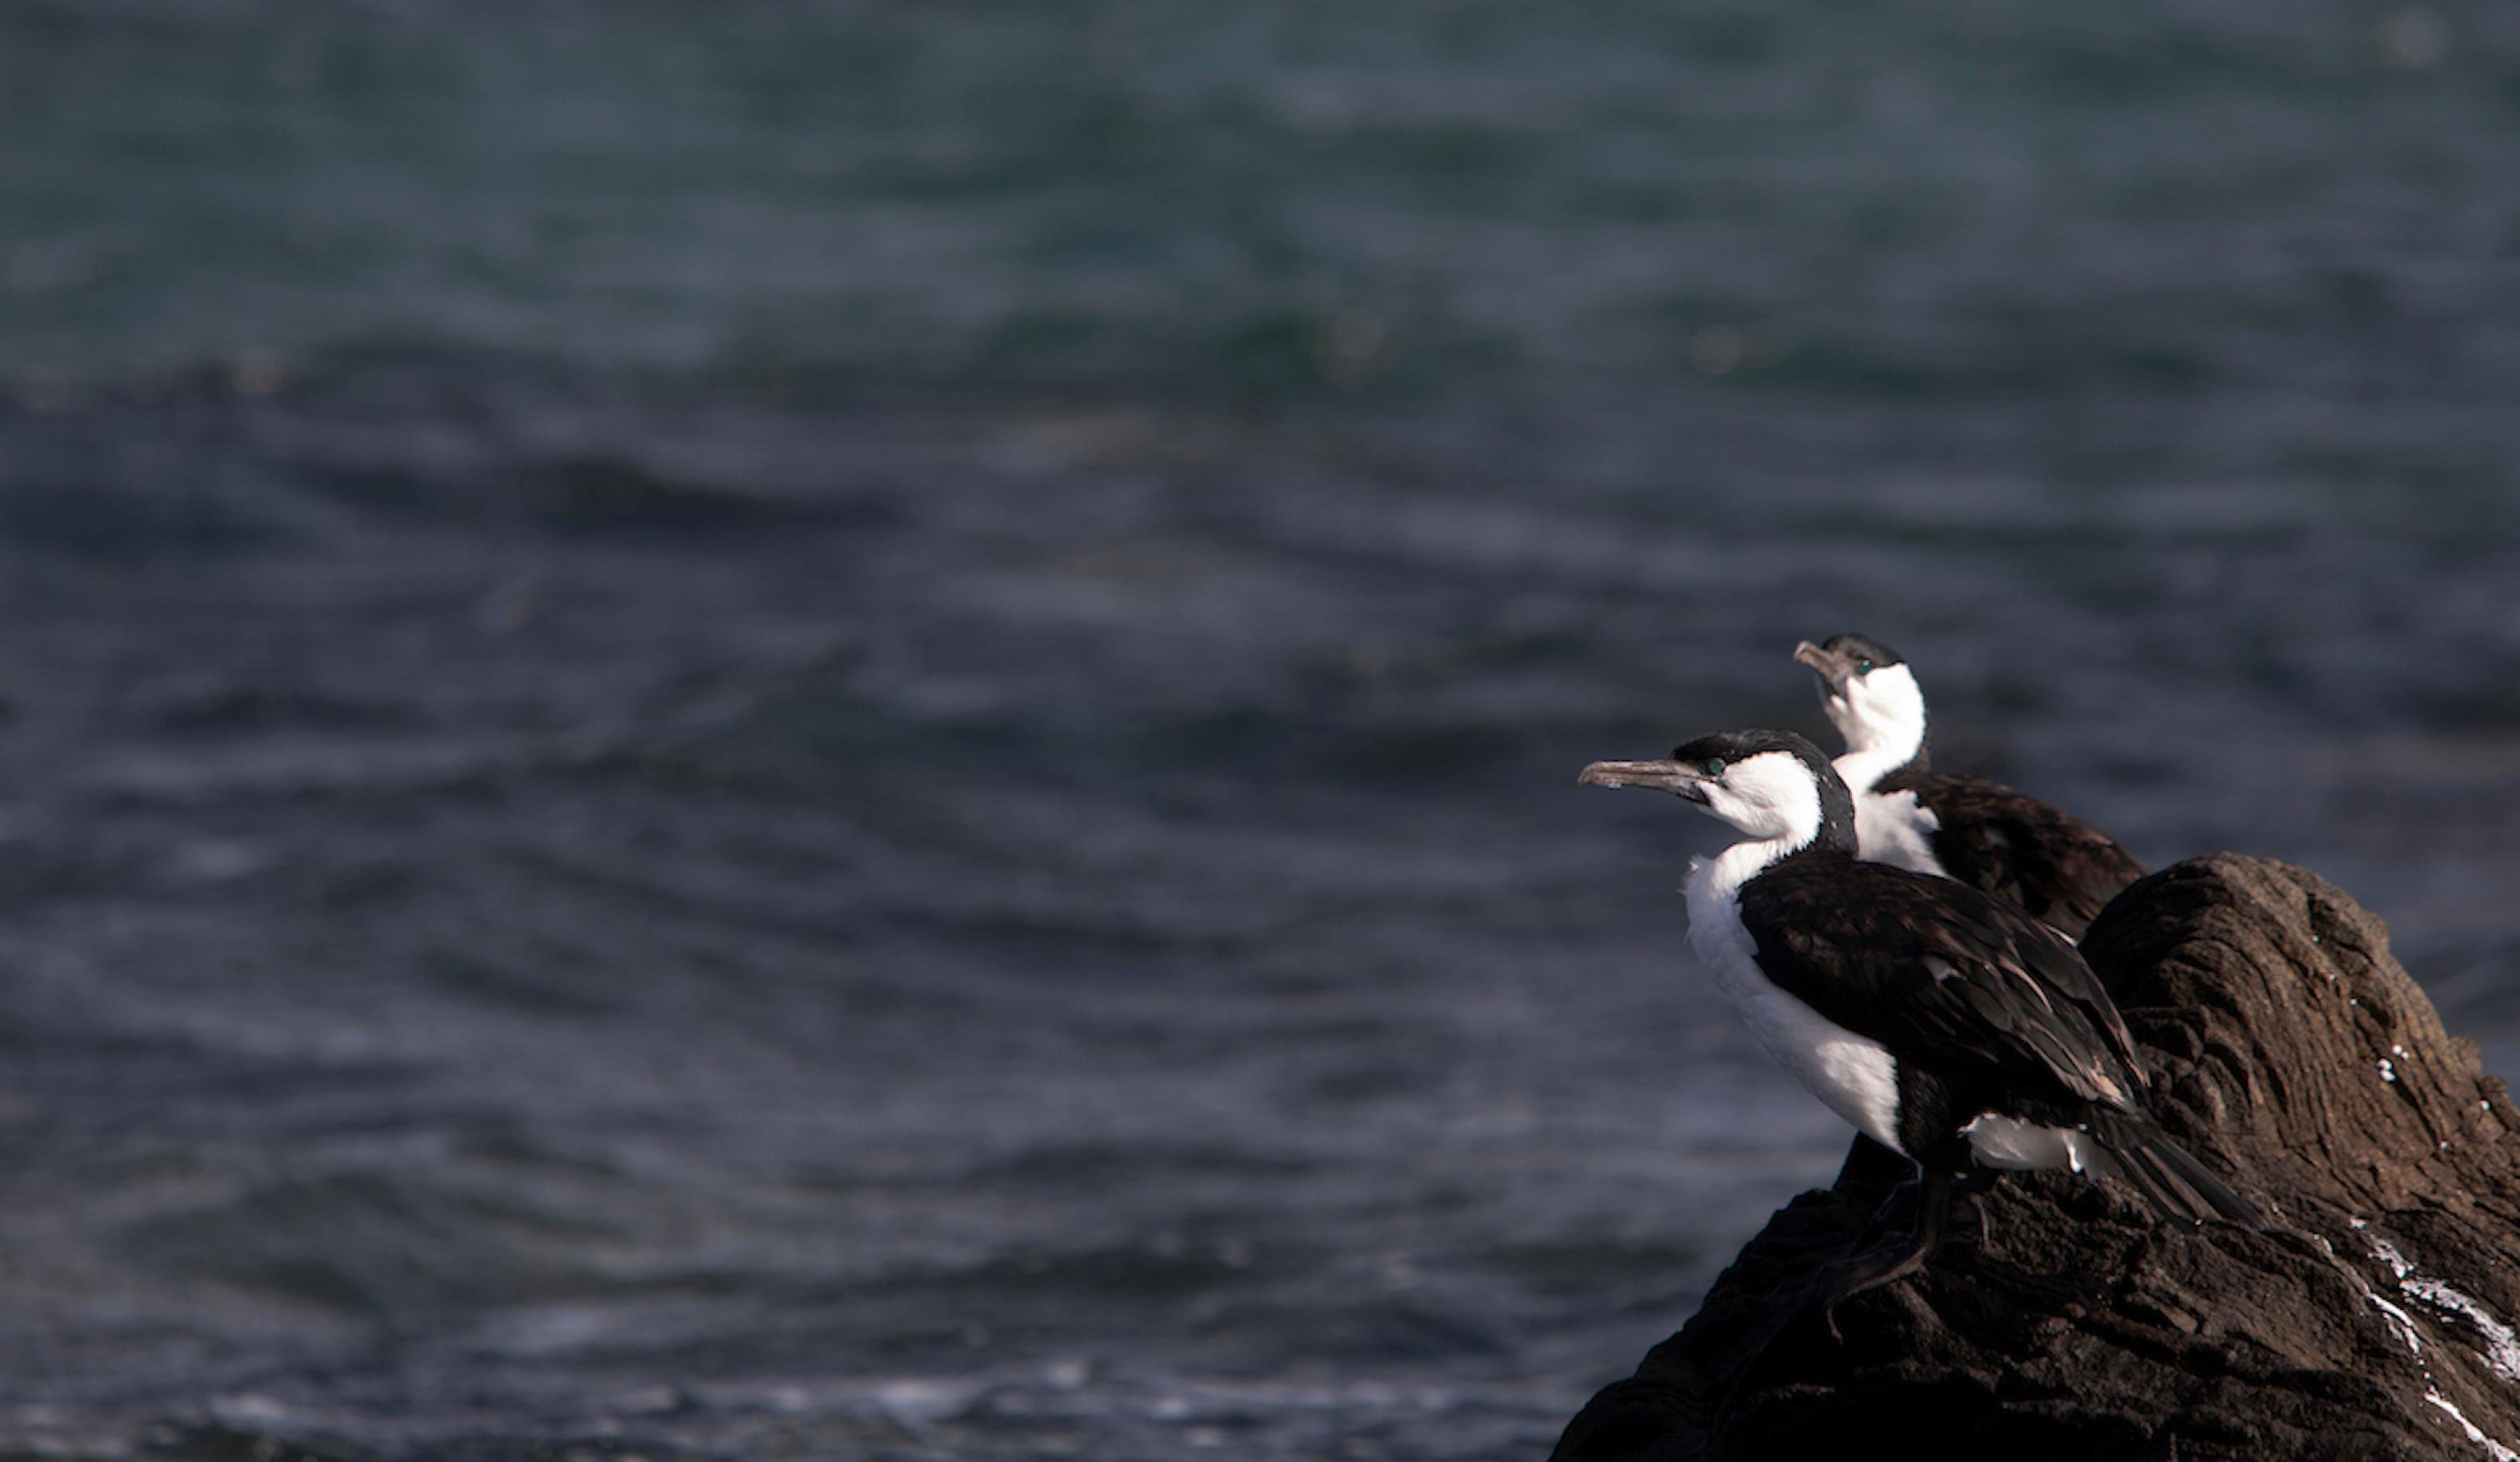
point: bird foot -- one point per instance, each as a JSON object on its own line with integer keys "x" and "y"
{"x": 1887, "y": 1263}
{"x": 1871, "y": 1271}
{"x": 1969, "y": 1224}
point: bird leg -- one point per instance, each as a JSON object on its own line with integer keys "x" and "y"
{"x": 1970, "y": 1224}
{"x": 1893, "y": 1261}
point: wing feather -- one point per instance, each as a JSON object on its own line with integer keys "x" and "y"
{"x": 1941, "y": 975}
{"x": 2052, "y": 865}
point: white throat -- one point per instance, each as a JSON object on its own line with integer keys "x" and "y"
{"x": 1863, "y": 770}
{"x": 1715, "y": 883}
{"x": 1854, "y": 1076}
{"x": 1772, "y": 798}
{"x": 1882, "y": 718}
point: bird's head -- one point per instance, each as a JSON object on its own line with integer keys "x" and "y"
{"x": 1771, "y": 785}
{"x": 1868, "y": 693}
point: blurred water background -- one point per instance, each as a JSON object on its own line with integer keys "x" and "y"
{"x": 839, "y": 729}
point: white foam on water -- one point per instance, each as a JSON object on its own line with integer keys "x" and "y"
{"x": 917, "y": 1401}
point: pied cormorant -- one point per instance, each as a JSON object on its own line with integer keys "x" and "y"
{"x": 1942, "y": 1023}
{"x": 2052, "y": 865}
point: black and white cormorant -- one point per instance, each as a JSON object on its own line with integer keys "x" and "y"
{"x": 2055, "y": 865}
{"x": 1941, "y": 1022}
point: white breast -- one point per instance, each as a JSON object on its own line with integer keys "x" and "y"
{"x": 1890, "y": 827}
{"x": 1853, "y": 1075}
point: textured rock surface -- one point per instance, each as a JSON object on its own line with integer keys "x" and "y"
{"x": 2290, "y": 1052}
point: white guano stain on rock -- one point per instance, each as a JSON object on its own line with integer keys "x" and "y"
{"x": 2496, "y": 1450}
{"x": 2502, "y": 1345}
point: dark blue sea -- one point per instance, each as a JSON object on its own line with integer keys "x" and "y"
{"x": 832, "y": 729}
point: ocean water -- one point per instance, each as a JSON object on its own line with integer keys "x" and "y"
{"x": 847, "y": 730}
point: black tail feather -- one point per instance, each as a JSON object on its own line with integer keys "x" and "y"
{"x": 2170, "y": 1179}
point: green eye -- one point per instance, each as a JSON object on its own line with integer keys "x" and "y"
{"x": 1715, "y": 765}
{"x": 1863, "y": 667}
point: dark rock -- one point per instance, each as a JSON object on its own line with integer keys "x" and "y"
{"x": 2289, "y": 1052}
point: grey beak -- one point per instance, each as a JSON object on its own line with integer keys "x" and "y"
{"x": 1833, "y": 670}
{"x": 1661, "y": 776}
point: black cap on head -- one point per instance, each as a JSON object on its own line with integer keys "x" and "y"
{"x": 1859, "y": 647}
{"x": 1742, "y": 745}
{"x": 1698, "y": 770}
{"x": 1836, "y": 804}
{"x": 1842, "y": 658}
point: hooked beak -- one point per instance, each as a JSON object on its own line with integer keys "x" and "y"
{"x": 1833, "y": 669}
{"x": 1661, "y": 776}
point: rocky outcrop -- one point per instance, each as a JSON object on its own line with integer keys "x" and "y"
{"x": 2373, "y": 1320}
